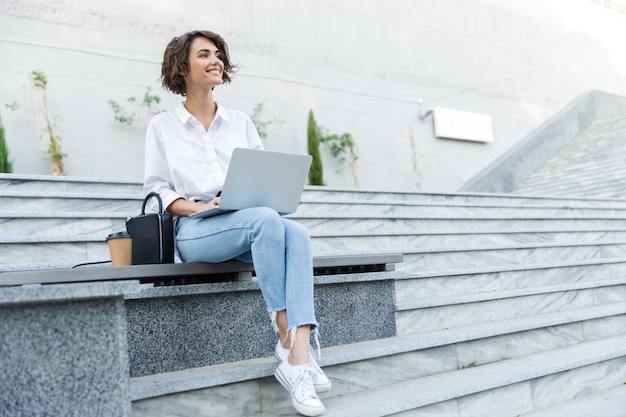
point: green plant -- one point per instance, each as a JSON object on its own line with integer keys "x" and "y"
{"x": 340, "y": 146}
{"x": 40, "y": 82}
{"x": 6, "y": 166}
{"x": 258, "y": 123}
{"x": 148, "y": 105}
{"x": 12, "y": 106}
{"x": 316, "y": 172}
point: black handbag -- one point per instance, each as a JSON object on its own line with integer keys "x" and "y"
{"x": 152, "y": 234}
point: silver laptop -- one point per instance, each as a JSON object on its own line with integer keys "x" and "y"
{"x": 258, "y": 178}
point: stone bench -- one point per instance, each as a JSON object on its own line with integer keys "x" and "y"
{"x": 73, "y": 334}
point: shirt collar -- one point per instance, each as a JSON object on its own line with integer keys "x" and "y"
{"x": 184, "y": 115}
{"x": 221, "y": 112}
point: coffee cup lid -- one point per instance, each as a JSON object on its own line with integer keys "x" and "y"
{"x": 118, "y": 235}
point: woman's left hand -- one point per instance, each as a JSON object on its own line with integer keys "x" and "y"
{"x": 182, "y": 207}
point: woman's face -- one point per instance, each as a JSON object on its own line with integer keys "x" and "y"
{"x": 205, "y": 66}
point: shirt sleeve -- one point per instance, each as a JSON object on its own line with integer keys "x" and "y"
{"x": 157, "y": 177}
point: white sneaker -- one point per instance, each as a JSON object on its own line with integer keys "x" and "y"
{"x": 320, "y": 380}
{"x": 298, "y": 379}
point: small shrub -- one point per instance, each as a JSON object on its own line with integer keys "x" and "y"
{"x": 316, "y": 172}
{"x": 6, "y": 166}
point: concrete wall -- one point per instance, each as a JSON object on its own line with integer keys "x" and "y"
{"x": 364, "y": 67}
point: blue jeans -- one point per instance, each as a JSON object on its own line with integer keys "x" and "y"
{"x": 279, "y": 248}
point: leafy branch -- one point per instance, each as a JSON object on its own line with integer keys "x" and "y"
{"x": 342, "y": 146}
{"x": 40, "y": 82}
{"x": 148, "y": 105}
{"x": 261, "y": 125}
{"x": 12, "y": 106}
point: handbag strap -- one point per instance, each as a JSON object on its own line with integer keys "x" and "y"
{"x": 145, "y": 200}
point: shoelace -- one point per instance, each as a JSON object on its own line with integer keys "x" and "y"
{"x": 304, "y": 383}
{"x": 315, "y": 370}
{"x": 313, "y": 365}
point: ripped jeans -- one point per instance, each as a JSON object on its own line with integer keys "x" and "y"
{"x": 279, "y": 248}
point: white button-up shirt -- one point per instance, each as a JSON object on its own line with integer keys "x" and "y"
{"x": 185, "y": 160}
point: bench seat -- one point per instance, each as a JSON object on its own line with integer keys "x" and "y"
{"x": 192, "y": 273}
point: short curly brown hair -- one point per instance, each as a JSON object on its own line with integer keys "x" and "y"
{"x": 176, "y": 60}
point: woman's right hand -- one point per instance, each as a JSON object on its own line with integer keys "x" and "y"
{"x": 215, "y": 201}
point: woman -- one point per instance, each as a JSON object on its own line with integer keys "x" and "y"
{"x": 187, "y": 154}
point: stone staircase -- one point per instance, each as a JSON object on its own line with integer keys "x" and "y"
{"x": 506, "y": 305}
{"x": 593, "y": 163}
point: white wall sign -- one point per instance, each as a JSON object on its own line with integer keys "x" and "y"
{"x": 464, "y": 125}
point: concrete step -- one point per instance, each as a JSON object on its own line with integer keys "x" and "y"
{"x": 612, "y": 164}
{"x": 52, "y": 184}
{"x": 16, "y": 256}
{"x": 25, "y": 201}
{"x": 585, "y": 175}
{"x": 458, "y": 311}
{"x": 244, "y": 387}
{"x": 426, "y": 259}
{"x": 415, "y": 286}
{"x": 425, "y": 301}
{"x": 506, "y": 236}
{"x": 355, "y": 195}
{"x": 61, "y": 223}
{"x": 606, "y": 123}
{"x": 610, "y": 402}
{"x": 428, "y": 210}
{"x": 392, "y": 224}
{"x": 604, "y": 188}
{"x": 580, "y": 185}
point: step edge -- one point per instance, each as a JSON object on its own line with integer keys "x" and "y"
{"x": 209, "y": 376}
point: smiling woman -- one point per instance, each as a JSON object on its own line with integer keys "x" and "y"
{"x": 188, "y": 151}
